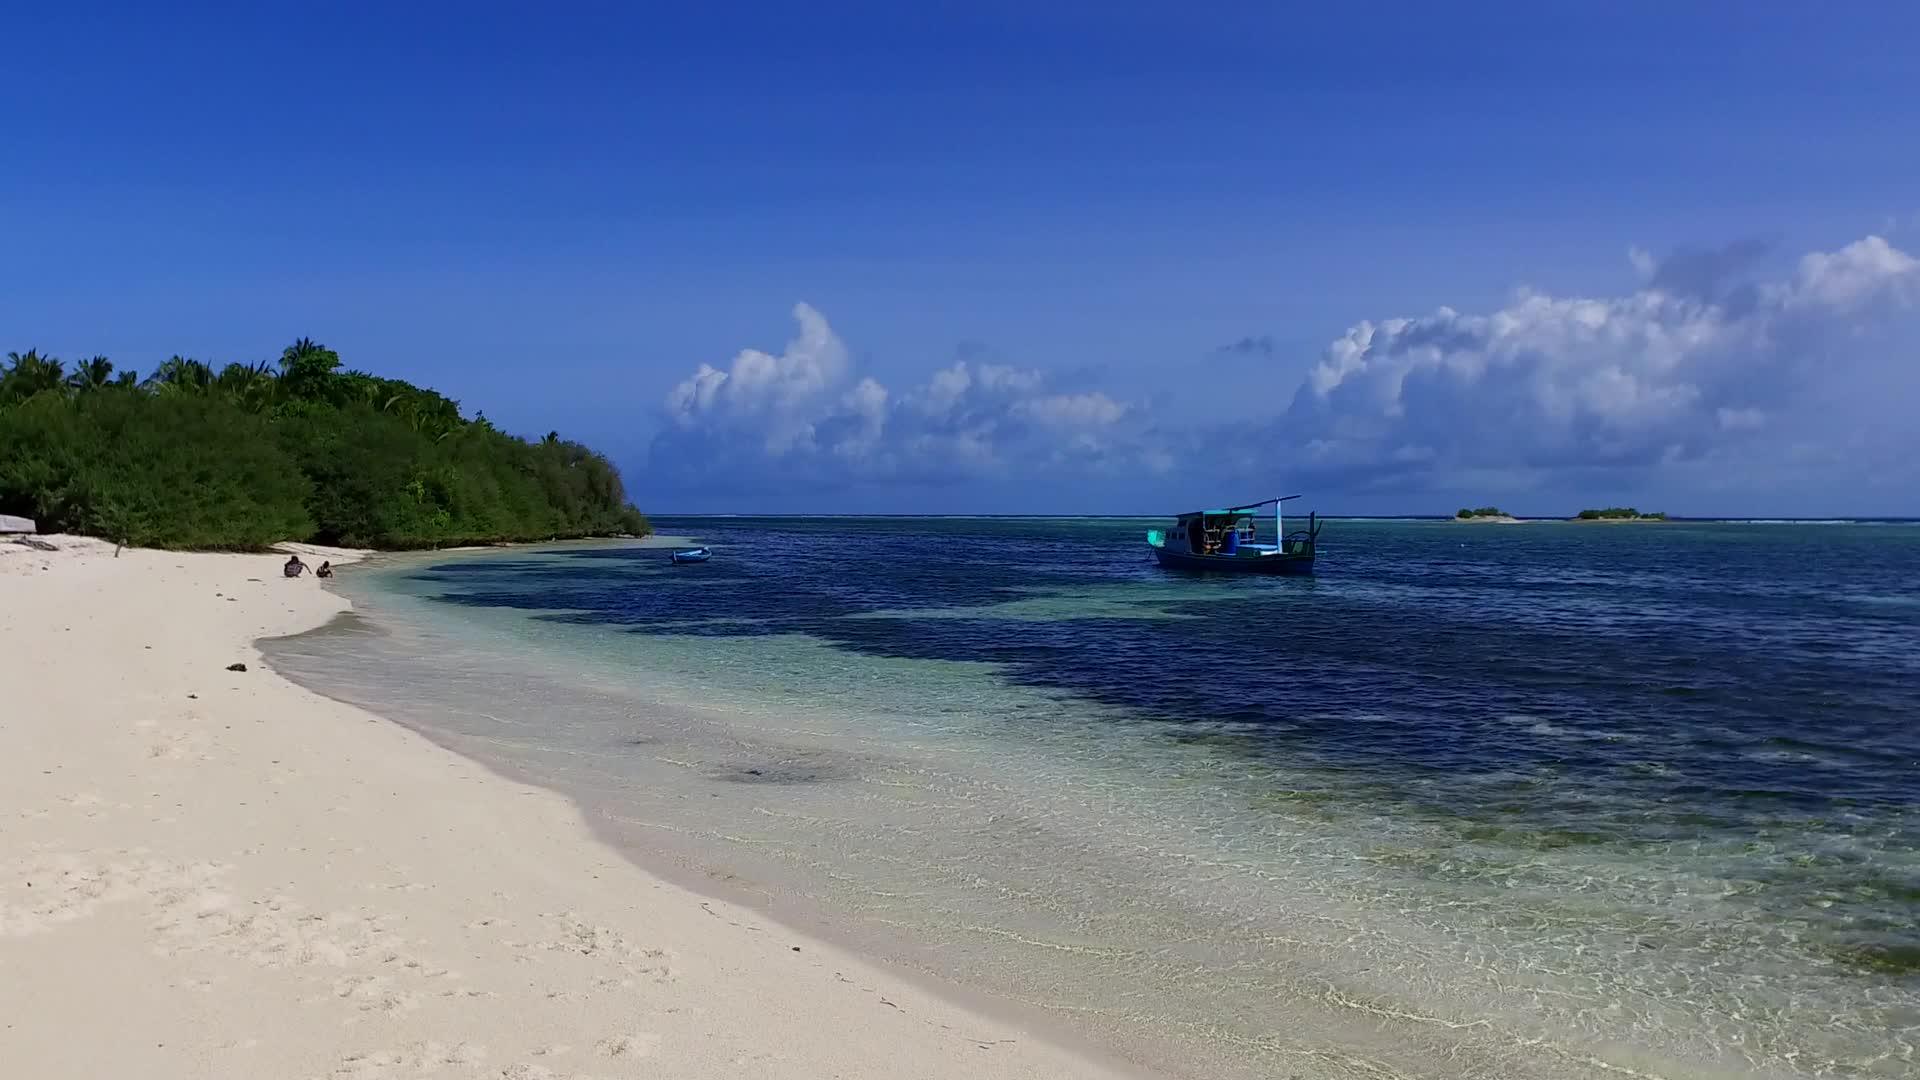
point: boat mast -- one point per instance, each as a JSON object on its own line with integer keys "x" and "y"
{"x": 1280, "y": 522}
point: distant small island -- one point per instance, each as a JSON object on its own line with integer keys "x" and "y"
{"x": 1618, "y": 513}
{"x": 1484, "y": 513}
{"x": 1495, "y": 515}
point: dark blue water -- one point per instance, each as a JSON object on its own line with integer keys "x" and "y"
{"x": 1776, "y": 668}
{"x": 1676, "y": 764}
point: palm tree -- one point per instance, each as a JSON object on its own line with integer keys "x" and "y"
{"x": 358, "y": 387}
{"x": 426, "y": 413}
{"x": 307, "y": 367}
{"x": 305, "y": 349}
{"x": 181, "y": 375}
{"x": 250, "y": 386}
{"x": 93, "y": 373}
{"x": 28, "y": 374}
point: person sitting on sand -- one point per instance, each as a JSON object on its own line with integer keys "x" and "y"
{"x": 326, "y": 569}
{"x": 294, "y": 567}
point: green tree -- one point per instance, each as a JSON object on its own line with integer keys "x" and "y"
{"x": 250, "y": 386}
{"x": 308, "y": 370}
{"x": 238, "y": 459}
{"x": 28, "y": 374}
{"x": 180, "y": 375}
{"x": 93, "y": 373}
{"x": 166, "y": 470}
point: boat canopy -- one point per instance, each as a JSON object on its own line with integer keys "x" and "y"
{"x": 1233, "y": 511}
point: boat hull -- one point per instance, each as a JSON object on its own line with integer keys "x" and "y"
{"x": 1234, "y": 564}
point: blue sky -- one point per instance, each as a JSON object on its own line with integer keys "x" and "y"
{"x": 1018, "y": 237}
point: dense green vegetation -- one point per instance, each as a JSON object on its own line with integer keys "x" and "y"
{"x": 254, "y": 454}
{"x": 1615, "y": 513}
{"x": 1483, "y": 511}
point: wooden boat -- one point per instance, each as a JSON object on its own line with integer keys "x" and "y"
{"x": 693, "y": 555}
{"x": 1225, "y": 541}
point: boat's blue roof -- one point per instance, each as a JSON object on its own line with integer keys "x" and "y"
{"x": 1215, "y": 513}
{"x": 1235, "y": 511}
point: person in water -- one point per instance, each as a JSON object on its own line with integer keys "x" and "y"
{"x": 326, "y": 570}
{"x": 294, "y": 567}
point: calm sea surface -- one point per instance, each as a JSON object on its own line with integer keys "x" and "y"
{"x": 1476, "y": 801}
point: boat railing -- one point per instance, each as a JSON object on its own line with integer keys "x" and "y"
{"x": 1302, "y": 541}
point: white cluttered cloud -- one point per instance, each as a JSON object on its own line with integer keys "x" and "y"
{"x": 777, "y": 396}
{"x": 1693, "y": 360}
{"x": 1699, "y": 367}
{"x": 805, "y": 416}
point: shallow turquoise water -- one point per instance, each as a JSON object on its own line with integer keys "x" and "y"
{"x": 1476, "y": 801}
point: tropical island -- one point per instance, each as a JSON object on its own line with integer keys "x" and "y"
{"x": 1618, "y": 513}
{"x": 1609, "y": 514}
{"x": 1484, "y": 513}
{"x": 299, "y": 450}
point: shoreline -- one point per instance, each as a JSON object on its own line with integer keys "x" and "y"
{"x": 910, "y": 958}
{"x": 572, "y": 718}
{"x": 794, "y": 919}
{"x": 1344, "y": 1035}
{"x": 215, "y": 872}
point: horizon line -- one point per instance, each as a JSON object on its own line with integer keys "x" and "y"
{"x": 1570, "y": 518}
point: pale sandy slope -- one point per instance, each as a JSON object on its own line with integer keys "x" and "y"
{"x": 214, "y": 874}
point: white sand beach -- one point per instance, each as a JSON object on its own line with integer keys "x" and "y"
{"x": 213, "y": 873}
